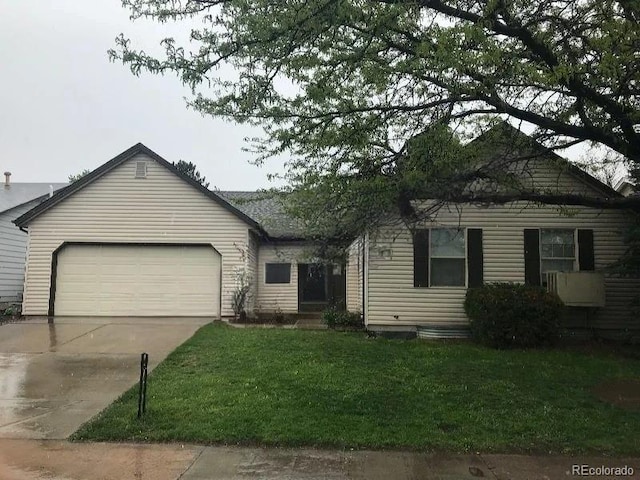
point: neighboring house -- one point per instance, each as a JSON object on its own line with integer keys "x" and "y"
{"x": 417, "y": 280}
{"x": 15, "y": 200}
{"x": 135, "y": 237}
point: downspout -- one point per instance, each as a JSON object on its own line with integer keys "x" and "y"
{"x": 364, "y": 277}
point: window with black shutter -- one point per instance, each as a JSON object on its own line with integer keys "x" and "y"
{"x": 448, "y": 257}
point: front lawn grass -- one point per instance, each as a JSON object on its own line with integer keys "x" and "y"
{"x": 326, "y": 388}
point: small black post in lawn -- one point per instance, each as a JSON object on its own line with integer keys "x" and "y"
{"x": 142, "y": 391}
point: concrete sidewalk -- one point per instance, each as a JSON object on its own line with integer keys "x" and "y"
{"x": 61, "y": 460}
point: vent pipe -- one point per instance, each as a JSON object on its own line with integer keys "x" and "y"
{"x": 7, "y": 179}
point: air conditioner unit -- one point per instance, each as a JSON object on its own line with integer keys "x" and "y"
{"x": 578, "y": 289}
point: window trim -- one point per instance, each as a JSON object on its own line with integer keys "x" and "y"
{"x": 266, "y": 266}
{"x": 465, "y": 257}
{"x": 576, "y": 251}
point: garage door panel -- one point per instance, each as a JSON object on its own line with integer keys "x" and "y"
{"x": 120, "y": 289}
{"x": 78, "y": 288}
{"x": 137, "y": 280}
{"x": 73, "y": 270}
{"x": 189, "y": 260}
{"x": 199, "y": 290}
{"x": 118, "y": 270}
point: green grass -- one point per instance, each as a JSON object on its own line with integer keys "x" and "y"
{"x": 294, "y": 387}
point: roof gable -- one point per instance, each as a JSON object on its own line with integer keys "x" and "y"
{"x": 504, "y": 135}
{"x": 115, "y": 162}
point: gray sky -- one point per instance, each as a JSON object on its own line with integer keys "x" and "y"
{"x": 64, "y": 107}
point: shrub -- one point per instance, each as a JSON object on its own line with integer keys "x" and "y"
{"x": 507, "y": 315}
{"x": 343, "y": 319}
{"x": 278, "y": 316}
{"x": 13, "y": 310}
{"x": 239, "y": 300}
{"x": 260, "y": 317}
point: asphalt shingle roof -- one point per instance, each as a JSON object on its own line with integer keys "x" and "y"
{"x": 268, "y": 211}
{"x": 19, "y": 193}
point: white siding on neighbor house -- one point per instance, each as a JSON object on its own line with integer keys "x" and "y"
{"x": 279, "y": 296}
{"x": 13, "y": 251}
{"x": 355, "y": 268}
{"x": 161, "y": 208}
{"x": 393, "y": 300}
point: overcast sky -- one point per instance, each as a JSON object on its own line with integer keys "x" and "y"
{"x": 64, "y": 107}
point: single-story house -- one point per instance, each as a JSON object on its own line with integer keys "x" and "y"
{"x": 15, "y": 200}
{"x": 416, "y": 279}
{"x": 138, "y": 238}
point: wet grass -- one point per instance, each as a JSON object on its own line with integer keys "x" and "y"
{"x": 293, "y": 387}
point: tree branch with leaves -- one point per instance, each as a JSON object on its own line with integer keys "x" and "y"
{"x": 345, "y": 87}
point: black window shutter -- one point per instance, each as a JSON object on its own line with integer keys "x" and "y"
{"x": 586, "y": 258}
{"x": 474, "y": 257}
{"x": 532, "y": 256}
{"x": 421, "y": 258}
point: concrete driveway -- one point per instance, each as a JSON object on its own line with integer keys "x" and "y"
{"x": 56, "y": 376}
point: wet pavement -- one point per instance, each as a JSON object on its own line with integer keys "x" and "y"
{"x": 56, "y": 376}
{"x": 60, "y": 460}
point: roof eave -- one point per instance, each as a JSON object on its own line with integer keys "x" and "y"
{"x": 40, "y": 198}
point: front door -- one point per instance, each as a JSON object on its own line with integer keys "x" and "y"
{"x": 320, "y": 286}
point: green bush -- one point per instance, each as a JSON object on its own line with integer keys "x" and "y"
{"x": 508, "y": 315}
{"x": 343, "y": 319}
{"x": 13, "y": 311}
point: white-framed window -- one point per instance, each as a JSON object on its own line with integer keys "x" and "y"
{"x": 557, "y": 251}
{"x": 447, "y": 257}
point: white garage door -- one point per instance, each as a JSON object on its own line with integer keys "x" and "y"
{"x": 137, "y": 280}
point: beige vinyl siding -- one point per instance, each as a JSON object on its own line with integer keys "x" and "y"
{"x": 354, "y": 276}
{"x": 251, "y": 269}
{"x": 541, "y": 174}
{"x": 13, "y": 251}
{"x": 279, "y": 296}
{"x": 393, "y": 300}
{"x": 161, "y": 208}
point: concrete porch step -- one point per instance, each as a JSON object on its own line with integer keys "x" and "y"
{"x": 310, "y": 321}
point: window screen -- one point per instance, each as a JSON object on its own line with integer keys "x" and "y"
{"x": 448, "y": 259}
{"x": 557, "y": 251}
{"x": 277, "y": 273}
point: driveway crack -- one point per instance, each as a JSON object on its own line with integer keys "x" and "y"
{"x": 490, "y": 467}
{"x": 195, "y": 459}
{"x": 81, "y": 335}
